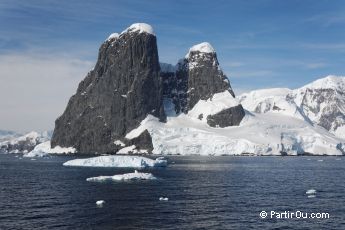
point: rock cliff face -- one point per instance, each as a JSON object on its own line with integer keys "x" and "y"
{"x": 128, "y": 83}
{"x": 122, "y": 89}
{"x": 199, "y": 77}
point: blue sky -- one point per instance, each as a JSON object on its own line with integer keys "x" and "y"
{"x": 47, "y": 47}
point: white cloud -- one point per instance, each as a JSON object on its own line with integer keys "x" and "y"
{"x": 316, "y": 65}
{"x": 34, "y": 89}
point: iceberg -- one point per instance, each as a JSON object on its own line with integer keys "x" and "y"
{"x": 163, "y": 198}
{"x": 118, "y": 162}
{"x": 123, "y": 177}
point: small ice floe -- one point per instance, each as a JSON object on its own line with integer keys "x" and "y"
{"x": 123, "y": 177}
{"x": 320, "y": 160}
{"x": 310, "y": 192}
{"x": 163, "y": 198}
{"x": 338, "y": 159}
{"x": 33, "y": 159}
{"x": 311, "y": 196}
{"x": 100, "y": 203}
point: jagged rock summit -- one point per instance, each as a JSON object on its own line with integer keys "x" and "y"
{"x": 126, "y": 86}
{"x": 122, "y": 89}
{"x": 198, "y": 78}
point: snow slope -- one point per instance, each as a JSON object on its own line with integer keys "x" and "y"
{"x": 258, "y": 134}
{"x": 44, "y": 149}
{"x": 211, "y": 106}
{"x": 321, "y": 102}
{"x": 118, "y": 162}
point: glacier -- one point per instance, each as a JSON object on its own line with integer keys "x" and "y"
{"x": 284, "y": 131}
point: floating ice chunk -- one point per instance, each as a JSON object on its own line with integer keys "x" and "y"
{"x": 311, "y": 196}
{"x": 118, "y": 162}
{"x": 310, "y": 192}
{"x": 320, "y": 160}
{"x": 163, "y": 198}
{"x": 100, "y": 203}
{"x": 123, "y": 177}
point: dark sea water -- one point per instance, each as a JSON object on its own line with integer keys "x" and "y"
{"x": 203, "y": 192}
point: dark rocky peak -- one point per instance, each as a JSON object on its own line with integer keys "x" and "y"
{"x": 197, "y": 77}
{"x": 205, "y": 76}
{"x": 122, "y": 89}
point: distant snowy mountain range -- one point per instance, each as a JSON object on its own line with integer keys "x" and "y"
{"x": 131, "y": 103}
{"x": 12, "y": 142}
{"x": 321, "y": 102}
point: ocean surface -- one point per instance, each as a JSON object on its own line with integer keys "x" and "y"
{"x": 204, "y": 193}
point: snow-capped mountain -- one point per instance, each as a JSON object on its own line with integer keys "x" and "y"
{"x": 196, "y": 79}
{"x": 126, "y": 86}
{"x": 321, "y": 102}
{"x": 7, "y": 135}
{"x": 131, "y": 103}
{"x": 24, "y": 143}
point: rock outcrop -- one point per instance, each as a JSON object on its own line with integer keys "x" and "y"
{"x": 128, "y": 83}
{"x": 199, "y": 77}
{"x": 122, "y": 89}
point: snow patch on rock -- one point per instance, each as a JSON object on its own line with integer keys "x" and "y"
{"x": 132, "y": 149}
{"x": 113, "y": 36}
{"x": 203, "y": 47}
{"x": 219, "y": 102}
{"x": 139, "y": 27}
{"x": 120, "y": 143}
